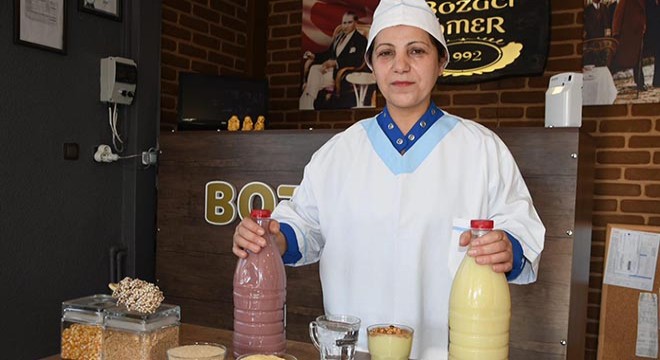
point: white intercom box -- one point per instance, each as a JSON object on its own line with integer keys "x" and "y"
{"x": 118, "y": 80}
{"x": 563, "y": 101}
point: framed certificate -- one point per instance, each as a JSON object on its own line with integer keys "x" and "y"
{"x": 41, "y": 24}
{"x": 110, "y": 9}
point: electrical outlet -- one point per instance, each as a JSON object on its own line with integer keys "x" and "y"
{"x": 149, "y": 157}
{"x": 104, "y": 154}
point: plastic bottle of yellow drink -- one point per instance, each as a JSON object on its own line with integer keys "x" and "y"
{"x": 479, "y": 308}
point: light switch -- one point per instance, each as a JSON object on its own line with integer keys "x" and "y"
{"x": 71, "y": 151}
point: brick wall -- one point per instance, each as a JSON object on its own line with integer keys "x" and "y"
{"x": 627, "y": 184}
{"x": 201, "y": 36}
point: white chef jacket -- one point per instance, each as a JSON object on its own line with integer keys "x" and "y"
{"x": 385, "y": 226}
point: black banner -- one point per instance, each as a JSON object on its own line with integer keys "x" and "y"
{"x": 490, "y": 39}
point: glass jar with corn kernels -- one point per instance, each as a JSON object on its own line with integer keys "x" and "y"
{"x": 130, "y": 334}
{"x": 82, "y": 327}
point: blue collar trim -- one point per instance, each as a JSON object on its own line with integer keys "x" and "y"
{"x": 402, "y": 143}
{"x": 409, "y": 161}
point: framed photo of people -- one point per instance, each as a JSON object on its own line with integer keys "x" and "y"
{"x": 334, "y": 39}
{"x": 621, "y": 52}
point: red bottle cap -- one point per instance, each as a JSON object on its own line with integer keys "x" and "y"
{"x": 483, "y": 224}
{"x": 260, "y": 213}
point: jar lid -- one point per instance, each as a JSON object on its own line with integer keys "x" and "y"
{"x": 260, "y": 213}
{"x": 483, "y": 224}
{"x": 119, "y": 317}
{"x": 88, "y": 309}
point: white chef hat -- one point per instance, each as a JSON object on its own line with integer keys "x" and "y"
{"x": 415, "y": 13}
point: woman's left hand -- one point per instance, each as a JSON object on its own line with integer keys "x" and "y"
{"x": 494, "y": 249}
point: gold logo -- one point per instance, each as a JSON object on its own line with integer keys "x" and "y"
{"x": 479, "y": 56}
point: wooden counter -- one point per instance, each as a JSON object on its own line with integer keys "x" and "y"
{"x": 195, "y": 264}
{"x": 191, "y": 333}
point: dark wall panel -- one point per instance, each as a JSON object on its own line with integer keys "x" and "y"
{"x": 59, "y": 217}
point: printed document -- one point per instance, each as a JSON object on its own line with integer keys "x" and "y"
{"x": 647, "y": 326}
{"x": 631, "y": 259}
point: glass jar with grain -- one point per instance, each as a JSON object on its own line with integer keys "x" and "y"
{"x": 129, "y": 334}
{"x": 82, "y": 327}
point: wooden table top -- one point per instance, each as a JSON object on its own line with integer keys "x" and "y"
{"x": 191, "y": 333}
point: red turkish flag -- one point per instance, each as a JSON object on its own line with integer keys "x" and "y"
{"x": 321, "y": 17}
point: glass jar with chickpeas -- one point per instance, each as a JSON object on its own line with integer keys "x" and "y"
{"x": 82, "y": 327}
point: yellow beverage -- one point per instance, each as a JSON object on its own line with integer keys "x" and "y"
{"x": 389, "y": 342}
{"x": 479, "y": 313}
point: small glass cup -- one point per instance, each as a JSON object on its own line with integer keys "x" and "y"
{"x": 198, "y": 351}
{"x": 335, "y": 336}
{"x": 390, "y": 341}
{"x": 256, "y": 356}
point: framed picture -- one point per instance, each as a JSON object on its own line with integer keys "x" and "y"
{"x": 336, "y": 30}
{"x": 620, "y": 56}
{"x": 41, "y": 24}
{"x": 110, "y": 9}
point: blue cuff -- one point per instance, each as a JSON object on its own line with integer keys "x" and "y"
{"x": 518, "y": 258}
{"x": 292, "y": 253}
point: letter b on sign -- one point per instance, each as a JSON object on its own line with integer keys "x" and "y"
{"x": 221, "y": 203}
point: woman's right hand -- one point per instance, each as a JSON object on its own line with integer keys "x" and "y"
{"x": 249, "y": 236}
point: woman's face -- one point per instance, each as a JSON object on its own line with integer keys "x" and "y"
{"x": 406, "y": 65}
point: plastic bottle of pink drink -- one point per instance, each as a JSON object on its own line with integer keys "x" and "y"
{"x": 479, "y": 308}
{"x": 260, "y": 297}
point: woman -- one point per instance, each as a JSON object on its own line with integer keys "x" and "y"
{"x": 384, "y": 205}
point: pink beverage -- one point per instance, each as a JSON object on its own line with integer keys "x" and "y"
{"x": 260, "y": 297}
